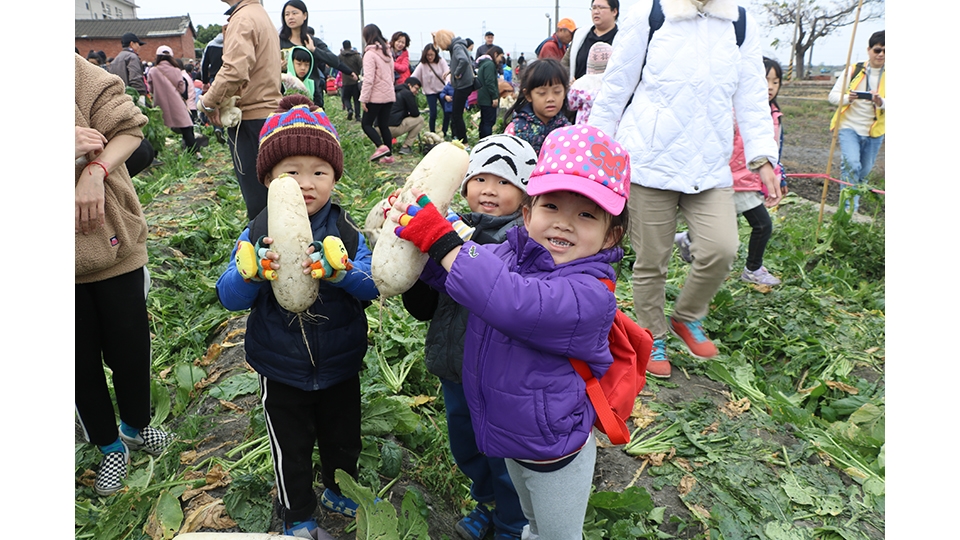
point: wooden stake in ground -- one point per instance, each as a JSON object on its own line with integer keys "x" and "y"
{"x": 836, "y": 131}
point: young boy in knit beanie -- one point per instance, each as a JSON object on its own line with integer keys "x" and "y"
{"x": 495, "y": 188}
{"x": 308, "y": 364}
{"x": 585, "y": 89}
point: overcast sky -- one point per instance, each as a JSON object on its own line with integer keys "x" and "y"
{"x": 518, "y": 25}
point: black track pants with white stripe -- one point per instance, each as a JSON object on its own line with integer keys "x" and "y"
{"x": 297, "y": 421}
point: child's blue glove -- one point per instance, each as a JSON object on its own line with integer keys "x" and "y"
{"x": 252, "y": 261}
{"x": 330, "y": 260}
{"x": 465, "y": 231}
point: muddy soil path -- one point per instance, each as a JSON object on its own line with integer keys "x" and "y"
{"x": 806, "y": 151}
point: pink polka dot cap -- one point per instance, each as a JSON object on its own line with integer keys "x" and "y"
{"x": 583, "y": 159}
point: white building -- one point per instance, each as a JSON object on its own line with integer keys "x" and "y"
{"x": 106, "y": 9}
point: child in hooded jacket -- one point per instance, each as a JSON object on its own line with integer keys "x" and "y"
{"x": 536, "y": 301}
{"x": 308, "y": 367}
{"x": 495, "y": 188}
{"x": 541, "y": 106}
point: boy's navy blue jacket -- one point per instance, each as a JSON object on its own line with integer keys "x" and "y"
{"x": 335, "y": 325}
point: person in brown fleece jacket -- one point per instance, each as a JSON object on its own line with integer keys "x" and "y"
{"x": 111, "y": 279}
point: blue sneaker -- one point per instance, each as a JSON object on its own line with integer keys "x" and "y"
{"x": 659, "y": 366}
{"x": 477, "y": 523}
{"x": 302, "y": 529}
{"x": 338, "y": 503}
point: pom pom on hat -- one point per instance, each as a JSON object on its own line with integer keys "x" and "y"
{"x": 298, "y": 128}
{"x": 506, "y": 156}
{"x": 584, "y": 160}
{"x": 598, "y": 57}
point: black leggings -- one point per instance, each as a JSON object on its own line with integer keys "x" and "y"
{"x": 381, "y": 113}
{"x": 110, "y": 322}
{"x": 189, "y": 140}
{"x": 759, "y": 220}
{"x": 460, "y": 96}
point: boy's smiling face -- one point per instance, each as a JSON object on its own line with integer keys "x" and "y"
{"x": 315, "y": 176}
{"x": 493, "y": 195}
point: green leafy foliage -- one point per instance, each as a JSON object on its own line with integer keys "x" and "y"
{"x": 244, "y": 383}
{"x": 248, "y": 501}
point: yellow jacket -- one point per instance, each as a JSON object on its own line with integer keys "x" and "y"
{"x": 878, "y": 127}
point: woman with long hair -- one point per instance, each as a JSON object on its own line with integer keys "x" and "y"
{"x": 430, "y": 71}
{"x": 169, "y": 88}
{"x": 293, "y": 32}
{"x": 376, "y": 94}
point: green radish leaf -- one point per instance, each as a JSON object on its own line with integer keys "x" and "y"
{"x": 413, "y": 516}
{"x": 168, "y": 514}
{"x": 391, "y": 458}
{"x": 376, "y": 520}
{"x": 238, "y": 385}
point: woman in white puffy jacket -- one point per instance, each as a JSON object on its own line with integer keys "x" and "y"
{"x": 678, "y": 129}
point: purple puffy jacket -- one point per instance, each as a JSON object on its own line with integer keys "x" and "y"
{"x": 528, "y": 316}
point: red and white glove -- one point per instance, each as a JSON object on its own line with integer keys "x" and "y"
{"x": 424, "y": 226}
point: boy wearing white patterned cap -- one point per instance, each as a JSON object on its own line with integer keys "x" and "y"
{"x": 495, "y": 187}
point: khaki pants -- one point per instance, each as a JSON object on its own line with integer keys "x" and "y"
{"x": 712, "y": 222}
{"x": 411, "y": 125}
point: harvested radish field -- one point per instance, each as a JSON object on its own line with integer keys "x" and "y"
{"x": 779, "y": 437}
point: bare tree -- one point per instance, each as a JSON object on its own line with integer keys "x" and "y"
{"x": 814, "y": 19}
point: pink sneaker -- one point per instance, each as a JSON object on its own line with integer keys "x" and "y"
{"x": 386, "y": 160}
{"x": 381, "y": 151}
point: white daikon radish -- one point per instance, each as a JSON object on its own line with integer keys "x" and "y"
{"x": 397, "y": 263}
{"x": 289, "y": 227}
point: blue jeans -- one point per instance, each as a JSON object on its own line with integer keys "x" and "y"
{"x": 432, "y": 100}
{"x": 491, "y": 481}
{"x": 857, "y": 156}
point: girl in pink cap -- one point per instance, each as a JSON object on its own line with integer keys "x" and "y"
{"x": 535, "y": 301}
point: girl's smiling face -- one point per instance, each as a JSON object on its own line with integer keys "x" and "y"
{"x": 546, "y": 100}
{"x": 569, "y": 225}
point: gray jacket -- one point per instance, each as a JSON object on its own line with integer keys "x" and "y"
{"x": 461, "y": 65}
{"x": 126, "y": 65}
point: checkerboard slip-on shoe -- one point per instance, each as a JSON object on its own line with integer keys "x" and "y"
{"x": 150, "y": 439}
{"x": 694, "y": 337}
{"x": 338, "y": 503}
{"x": 113, "y": 469}
{"x": 476, "y": 524}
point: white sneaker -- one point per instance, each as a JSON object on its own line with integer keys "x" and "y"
{"x": 760, "y": 276}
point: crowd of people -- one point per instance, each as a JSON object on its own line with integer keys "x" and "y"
{"x": 608, "y": 138}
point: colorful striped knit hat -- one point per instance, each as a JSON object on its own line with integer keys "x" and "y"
{"x": 298, "y": 128}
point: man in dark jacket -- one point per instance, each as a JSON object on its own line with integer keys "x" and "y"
{"x": 351, "y": 83}
{"x": 405, "y": 115}
{"x": 210, "y": 64}
{"x": 126, "y": 64}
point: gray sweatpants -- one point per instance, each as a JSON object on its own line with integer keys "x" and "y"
{"x": 555, "y": 503}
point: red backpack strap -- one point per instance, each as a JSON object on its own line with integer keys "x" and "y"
{"x": 611, "y": 424}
